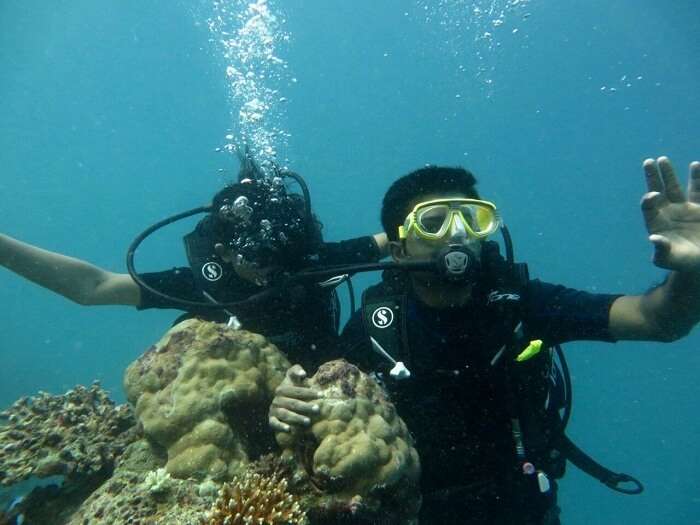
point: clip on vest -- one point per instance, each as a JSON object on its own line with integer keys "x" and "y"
{"x": 543, "y": 482}
{"x": 399, "y": 371}
{"x": 233, "y": 322}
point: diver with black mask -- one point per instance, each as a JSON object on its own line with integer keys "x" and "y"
{"x": 255, "y": 234}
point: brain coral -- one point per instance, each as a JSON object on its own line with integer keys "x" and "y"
{"x": 202, "y": 393}
{"x": 358, "y": 448}
{"x": 78, "y": 435}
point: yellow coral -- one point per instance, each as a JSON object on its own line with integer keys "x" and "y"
{"x": 202, "y": 393}
{"x": 360, "y": 442}
{"x": 357, "y": 454}
{"x": 256, "y": 499}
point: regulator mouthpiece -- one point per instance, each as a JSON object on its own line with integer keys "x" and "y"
{"x": 457, "y": 263}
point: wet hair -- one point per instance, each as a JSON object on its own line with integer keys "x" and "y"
{"x": 264, "y": 224}
{"x": 425, "y": 181}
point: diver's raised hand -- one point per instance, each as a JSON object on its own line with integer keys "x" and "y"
{"x": 294, "y": 404}
{"x": 672, "y": 216}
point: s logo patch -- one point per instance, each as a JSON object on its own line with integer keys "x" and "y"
{"x": 212, "y": 271}
{"x": 383, "y": 317}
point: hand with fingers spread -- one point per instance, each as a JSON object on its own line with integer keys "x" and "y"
{"x": 294, "y": 404}
{"x": 672, "y": 217}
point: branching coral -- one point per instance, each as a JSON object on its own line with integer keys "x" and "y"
{"x": 77, "y": 435}
{"x": 256, "y": 499}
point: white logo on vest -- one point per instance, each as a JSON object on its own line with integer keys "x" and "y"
{"x": 212, "y": 271}
{"x": 382, "y": 317}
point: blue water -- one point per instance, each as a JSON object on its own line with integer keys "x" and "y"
{"x": 110, "y": 114}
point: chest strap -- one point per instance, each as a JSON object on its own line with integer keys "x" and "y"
{"x": 384, "y": 320}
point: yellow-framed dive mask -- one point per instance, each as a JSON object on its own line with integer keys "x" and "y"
{"x": 433, "y": 220}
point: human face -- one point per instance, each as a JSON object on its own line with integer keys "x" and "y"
{"x": 439, "y": 221}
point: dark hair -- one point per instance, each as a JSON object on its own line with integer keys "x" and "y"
{"x": 291, "y": 235}
{"x": 424, "y": 181}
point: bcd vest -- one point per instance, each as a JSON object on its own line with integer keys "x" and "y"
{"x": 530, "y": 386}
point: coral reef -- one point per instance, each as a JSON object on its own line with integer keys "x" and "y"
{"x": 139, "y": 492}
{"x": 256, "y": 498}
{"x": 77, "y": 435}
{"x": 358, "y": 453}
{"x": 200, "y": 452}
{"x": 122, "y": 500}
{"x": 125, "y": 499}
{"x": 202, "y": 393}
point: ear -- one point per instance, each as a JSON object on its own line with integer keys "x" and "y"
{"x": 398, "y": 250}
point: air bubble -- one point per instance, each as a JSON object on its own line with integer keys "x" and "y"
{"x": 249, "y": 35}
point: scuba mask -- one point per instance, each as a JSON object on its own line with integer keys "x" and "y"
{"x": 436, "y": 220}
{"x": 433, "y": 220}
{"x": 261, "y": 222}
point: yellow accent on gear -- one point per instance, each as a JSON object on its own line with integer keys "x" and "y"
{"x": 532, "y": 350}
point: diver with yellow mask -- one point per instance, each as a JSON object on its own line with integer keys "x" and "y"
{"x": 466, "y": 343}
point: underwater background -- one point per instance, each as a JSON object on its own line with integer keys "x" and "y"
{"x": 114, "y": 115}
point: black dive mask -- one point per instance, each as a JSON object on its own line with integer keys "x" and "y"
{"x": 258, "y": 219}
{"x": 261, "y": 223}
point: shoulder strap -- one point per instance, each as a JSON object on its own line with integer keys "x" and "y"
{"x": 384, "y": 321}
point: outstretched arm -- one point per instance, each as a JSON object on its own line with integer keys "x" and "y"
{"x": 74, "y": 279}
{"x": 672, "y": 218}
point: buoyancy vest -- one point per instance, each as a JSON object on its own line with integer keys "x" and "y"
{"x": 530, "y": 387}
{"x": 538, "y": 388}
{"x": 213, "y": 276}
{"x": 283, "y": 319}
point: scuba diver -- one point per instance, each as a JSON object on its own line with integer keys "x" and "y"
{"x": 256, "y": 232}
{"x": 468, "y": 350}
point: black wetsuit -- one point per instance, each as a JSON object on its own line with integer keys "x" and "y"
{"x": 302, "y": 323}
{"x": 455, "y": 405}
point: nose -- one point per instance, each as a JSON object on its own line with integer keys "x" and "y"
{"x": 457, "y": 230}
